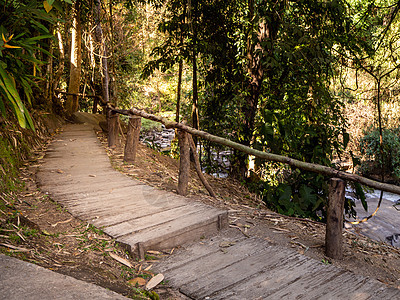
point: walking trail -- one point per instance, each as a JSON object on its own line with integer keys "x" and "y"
{"x": 77, "y": 174}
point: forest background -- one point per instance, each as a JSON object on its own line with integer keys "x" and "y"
{"x": 312, "y": 80}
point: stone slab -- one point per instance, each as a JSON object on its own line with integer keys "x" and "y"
{"x": 23, "y": 280}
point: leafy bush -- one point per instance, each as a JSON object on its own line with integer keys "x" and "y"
{"x": 371, "y": 150}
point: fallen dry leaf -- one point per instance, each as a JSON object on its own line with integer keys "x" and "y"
{"x": 154, "y": 281}
{"x": 154, "y": 252}
{"x": 280, "y": 229}
{"x": 137, "y": 281}
{"x": 14, "y": 247}
{"x": 62, "y": 222}
{"x": 121, "y": 260}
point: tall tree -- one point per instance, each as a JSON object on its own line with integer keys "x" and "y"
{"x": 72, "y": 103}
{"x": 103, "y": 52}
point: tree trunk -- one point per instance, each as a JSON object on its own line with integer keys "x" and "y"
{"x": 50, "y": 74}
{"x": 195, "y": 107}
{"x": 180, "y": 71}
{"x": 179, "y": 89}
{"x": 72, "y": 103}
{"x": 61, "y": 58}
{"x": 103, "y": 51}
{"x": 255, "y": 70}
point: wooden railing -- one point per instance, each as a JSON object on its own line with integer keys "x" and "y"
{"x": 337, "y": 182}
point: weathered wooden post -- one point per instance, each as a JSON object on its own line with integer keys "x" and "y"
{"x": 184, "y": 162}
{"x": 198, "y": 167}
{"x": 112, "y": 124}
{"x": 334, "y": 223}
{"x": 132, "y": 139}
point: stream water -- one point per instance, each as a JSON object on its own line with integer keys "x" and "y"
{"x": 161, "y": 140}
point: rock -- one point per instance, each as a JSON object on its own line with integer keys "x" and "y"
{"x": 91, "y": 119}
{"x": 394, "y": 239}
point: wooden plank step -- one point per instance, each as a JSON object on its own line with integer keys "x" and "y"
{"x": 154, "y": 219}
{"x": 117, "y": 218}
{"x": 254, "y": 269}
{"x": 176, "y": 232}
{"x": 77, "y": 173}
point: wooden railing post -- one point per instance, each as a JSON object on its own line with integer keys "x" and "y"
{"x": 334, "y": 223}
{"x": 112, "y": 124}
{"x": 132, "y": 139}
{"x": 184, "y": 162}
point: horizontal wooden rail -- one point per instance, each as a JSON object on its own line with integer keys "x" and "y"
{"x": 324, "y": 170}
{"x": 337, "y": 182}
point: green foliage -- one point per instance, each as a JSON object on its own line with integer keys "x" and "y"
{"x": 8, "y": 91}
{"x": 24, "y": 30}
{"x": 299, "y": 117}
{"x": 302, "y": 194}
{"x": 297, "y": 113}
{"x": 371, "y": 149}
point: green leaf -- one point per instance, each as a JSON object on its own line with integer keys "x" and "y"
{"x": 39, "y": 25}
{"x": 14, "y": 105}
{"x": 307, "y": 194}
{"x": 39, "y": 37}
{"x": 44, "y": 51}
{"x": 361, "y": 195}
{"x": 9, "y": 86}
{"x": 27, "y": 89}
{"x": 11, "y": 93}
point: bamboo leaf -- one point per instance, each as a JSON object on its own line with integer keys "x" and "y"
{"x": 14, "y": 106}
{"x": 22, "y": 114}
{"x": 10, "y": 87}
{"x": 39, "y": 25}
{"x": 27, "y": 89}
{"x": 44, "y": 51}
{"x": 28, "y": 118}
{"x": 37, "y": 38}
